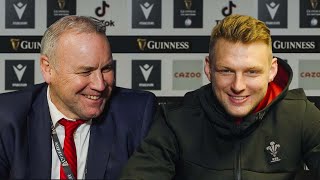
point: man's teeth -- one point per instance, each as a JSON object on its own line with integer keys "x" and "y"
{"x": 239, "y": 98}
{"x": 92, "y": 97}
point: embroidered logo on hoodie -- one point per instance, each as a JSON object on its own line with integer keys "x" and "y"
{"x": 273, "y": 150}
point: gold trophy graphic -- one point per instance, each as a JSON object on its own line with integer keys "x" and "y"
{"x": 15, "y": 44}
{"x": 61, "y": 4}
{"x": 188, "y": 4}
{"x": 142, "y": 43}
{"x": 314, "y": 3}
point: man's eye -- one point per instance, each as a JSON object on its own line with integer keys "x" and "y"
{"x": 85, "y": 73}
{"x": 107, "y": 69}
{"x": 225, "y": 71}
{"x": 253, "y": 72}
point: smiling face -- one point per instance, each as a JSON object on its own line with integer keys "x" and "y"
{"x": 240, "y": 74}
{"x": 82, "y": 78}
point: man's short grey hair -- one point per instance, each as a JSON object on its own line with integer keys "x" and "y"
{"x": 77, "y": 24}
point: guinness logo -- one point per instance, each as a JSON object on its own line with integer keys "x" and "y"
{"x": 299, "y": 45}
{"x": 62, "y": 4}
{"x": 188, "y": 4}
{"x": 314, "y": 3}
{"x": 15, "y": 44}
{"x": 142, "y": 43}
{"x": 161, "y": 45}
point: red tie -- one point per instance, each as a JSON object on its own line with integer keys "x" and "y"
{"x": 69, "y": 147}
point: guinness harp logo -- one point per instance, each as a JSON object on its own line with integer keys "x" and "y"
{"x": 314, "y": 3}
{"x": 188, "y": 4}
{"x": 61, "y": 4}
{"x": 15, "y": 44}
{"x": 142, "y": 43}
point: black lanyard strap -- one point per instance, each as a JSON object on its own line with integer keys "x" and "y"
{"x": 60, "y": 153}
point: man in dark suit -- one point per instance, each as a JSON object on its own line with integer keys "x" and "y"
{"x": 109, "y": 122}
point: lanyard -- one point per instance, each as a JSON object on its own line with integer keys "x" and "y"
{"x": 60, "y": 153}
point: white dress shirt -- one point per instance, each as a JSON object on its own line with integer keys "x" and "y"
{"x": 81, "y": 140}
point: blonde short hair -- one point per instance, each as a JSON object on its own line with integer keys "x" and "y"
{"x": 239, "y": 28}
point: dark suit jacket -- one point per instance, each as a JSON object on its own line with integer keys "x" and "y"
{"x": 25, "y": 133}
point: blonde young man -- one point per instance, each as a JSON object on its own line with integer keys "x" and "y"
{"x": 78, "y": 124}
{"x": 244, "y": 125}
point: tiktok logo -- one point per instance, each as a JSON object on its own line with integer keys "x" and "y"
{"x": 226, "y": 11}
{"x": 101, "y": 11}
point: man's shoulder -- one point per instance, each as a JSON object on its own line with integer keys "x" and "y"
{"x": 296, "y": 98}
{"x": 18, "y": 102}
{"x": 189, "y": 104}
{"x": 127, "y": 91}
{"x": 21, "y": 94}
{"x": 192, "y": 99}
{"x": 131, "y": 107}
{"x": 124, "y": 97}
{"x": 130, "y": 94}
{"x": 296, "y": 94}
{"x": 15, "y": 106}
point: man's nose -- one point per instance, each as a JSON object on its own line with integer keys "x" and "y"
{"x": 238, "y": 83}
{"x": 97, "y": 81}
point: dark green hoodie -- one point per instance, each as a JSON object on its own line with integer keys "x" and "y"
{"x": 197, "y": 140}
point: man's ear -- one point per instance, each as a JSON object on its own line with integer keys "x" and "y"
{"x": 207, "y": 68}
{"x": 46, "y": 68}
{"x": 273, "y": 69}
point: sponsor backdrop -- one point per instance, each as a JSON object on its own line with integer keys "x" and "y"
{"x": 160, "y": 45}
